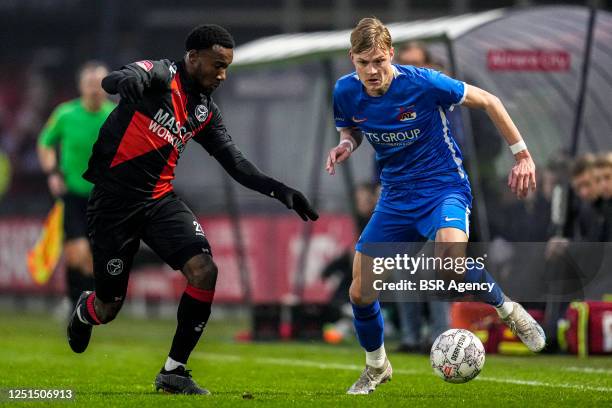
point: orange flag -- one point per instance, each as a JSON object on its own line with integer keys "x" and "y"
{"x": 46, "y": 253}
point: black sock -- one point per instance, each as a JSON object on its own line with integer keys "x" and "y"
{"x": 88, "y": 282}
{"x": 74, "y": 284}
{"x": 193, "y": 313}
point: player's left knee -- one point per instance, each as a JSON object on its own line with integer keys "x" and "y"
{"x": 201, "y": 272}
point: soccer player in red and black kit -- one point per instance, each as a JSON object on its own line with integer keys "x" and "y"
{"x": 163, "y": 105}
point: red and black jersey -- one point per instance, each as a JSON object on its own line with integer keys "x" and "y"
{"x": 139, "y": 144}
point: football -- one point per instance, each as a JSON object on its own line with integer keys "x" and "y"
{"x": 457, "y": 356}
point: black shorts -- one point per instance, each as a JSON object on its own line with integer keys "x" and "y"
{"x": 75, "y": 216}
{"x": 117, "y": 224}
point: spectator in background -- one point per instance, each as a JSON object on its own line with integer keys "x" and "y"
{"x": 590, "y": 222}
{"x": 607, "y": 157}
{"x": 603, "y": 175}
{"x": 73, "y": 128}
{"x": 412, "y": 315}
{"x": 414, "y": 53}
{"x": 588, "y": 184}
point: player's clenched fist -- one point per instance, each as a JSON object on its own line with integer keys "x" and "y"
{"x": 338, "y": 154}
{"x": 131, "y": 89}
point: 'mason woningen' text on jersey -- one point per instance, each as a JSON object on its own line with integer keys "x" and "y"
{"x": 139, "y": 144}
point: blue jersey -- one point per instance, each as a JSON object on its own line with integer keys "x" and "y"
{"x": 407, "y": 126}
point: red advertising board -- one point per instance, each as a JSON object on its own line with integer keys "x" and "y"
{"x": 273, "y": 246}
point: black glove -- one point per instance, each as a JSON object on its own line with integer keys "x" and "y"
{"x": 131, "y": 89}
{"x": 295, "y": 200}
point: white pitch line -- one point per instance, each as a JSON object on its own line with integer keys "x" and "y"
{"x": 296, "y": 363}
{"x": 353, "y": 367}
{"x": 545, "y": 384}
{"x": 316, "y": 364}
{"x": 588, "y": 370}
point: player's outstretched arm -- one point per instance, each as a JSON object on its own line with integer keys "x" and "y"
{"x": 247, "y": 174}
{"x": 522, "y": 176}
{"x": 350, "y": 139}
{"x": 132, "y": 79}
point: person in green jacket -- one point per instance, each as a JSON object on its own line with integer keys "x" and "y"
{"x": 64, "y": 148}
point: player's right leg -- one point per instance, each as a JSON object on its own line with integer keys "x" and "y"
{"x": 382, "y": 227}
{"x": 369, "y": 325}
{"x": 113, "y": 224}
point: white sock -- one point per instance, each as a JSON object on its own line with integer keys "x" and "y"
{"x": 172, "y": 364}
{"x": 505, "y": 309}
{"x": 377, "y": 357}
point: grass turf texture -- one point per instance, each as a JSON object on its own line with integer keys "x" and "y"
{"x": 123, "y": 358}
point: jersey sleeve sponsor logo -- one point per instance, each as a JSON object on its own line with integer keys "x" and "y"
{"x": 358, "y": 120}
{"x": 145, "y": 64}
{"x": 201, "y": 113}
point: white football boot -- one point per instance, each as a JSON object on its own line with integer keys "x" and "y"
{"x": 370, "y": 378}
{"x": 525, "y": 327}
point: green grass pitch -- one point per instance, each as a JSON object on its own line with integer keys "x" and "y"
{"x": 123, "y": 358}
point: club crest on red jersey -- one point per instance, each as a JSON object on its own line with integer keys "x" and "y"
{"x": 201, "y": 113}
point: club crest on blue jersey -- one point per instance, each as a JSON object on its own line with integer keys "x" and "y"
{"x": 407, "y": 114}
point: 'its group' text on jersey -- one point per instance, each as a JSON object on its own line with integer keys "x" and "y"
{"x": 407, "y": 126}
{"x": 139, "y": 145}
{"x": 74, "y": 129}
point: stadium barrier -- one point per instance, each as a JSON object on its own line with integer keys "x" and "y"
{"x": 273, "y": 246}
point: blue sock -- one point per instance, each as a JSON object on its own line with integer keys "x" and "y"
{"x": 369, "y": 325}
{"x": 480, "y": 275}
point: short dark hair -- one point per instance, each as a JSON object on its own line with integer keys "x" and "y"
{"x": 89, "y": 65}
{"x": 419, "y": 45}
{"x": 206, "y": 35}
{"x": 582, "y": 164}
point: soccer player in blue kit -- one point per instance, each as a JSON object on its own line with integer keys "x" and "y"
{"x": 401, "y": 111}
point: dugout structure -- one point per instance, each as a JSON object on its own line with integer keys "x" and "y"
{"x": 548, "y": 64}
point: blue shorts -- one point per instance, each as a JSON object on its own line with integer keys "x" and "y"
{"x": 412, "y": 214}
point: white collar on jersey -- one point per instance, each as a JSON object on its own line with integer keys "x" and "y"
{"x": 396, "y": 72}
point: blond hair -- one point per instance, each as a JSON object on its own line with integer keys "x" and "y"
{"x": 370, "y": 33}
